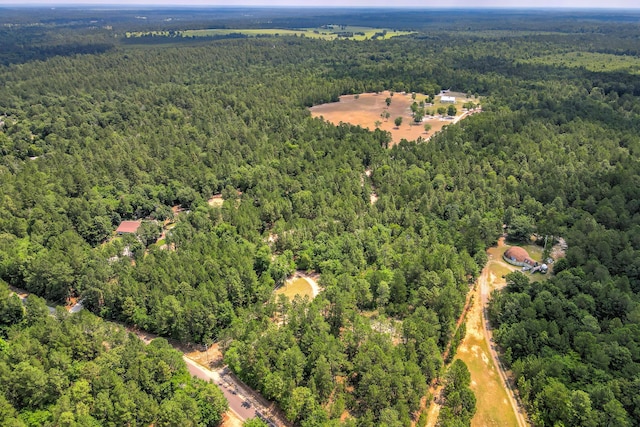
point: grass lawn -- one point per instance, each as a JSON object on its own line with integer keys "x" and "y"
{"x": 500, "y": 270}
{"x": 492, "y": 407}
{"x": 329, "y": 33}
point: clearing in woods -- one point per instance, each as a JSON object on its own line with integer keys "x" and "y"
{"x": 368, "y": 108}
{"x": 326, "y": 32}
{"x": 492, "y": 405}
{"x": 300, "y": 284}
{"x": 495, "y": 404}
{"x": 592, "y": 61}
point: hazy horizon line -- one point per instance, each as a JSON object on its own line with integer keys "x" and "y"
{"x": 283, "y": 6}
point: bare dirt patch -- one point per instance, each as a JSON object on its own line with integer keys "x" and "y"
{"x": 216, "y": 201}
{"x": 366, "y": 109}
{"x": 231, "y": 420}
{"x": 211, "y": 358}
{"x": 559, "y": 249}
{"x": 493, "y": 407}
{"x": 301, "y": 284}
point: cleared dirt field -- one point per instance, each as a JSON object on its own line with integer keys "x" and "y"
{"x": 493, "y": 407}
{"x": 495, "y": 404}
{"x": 300, "y": 284}
{"x": 366, "y": 109}
{"x": 216, "y": 201}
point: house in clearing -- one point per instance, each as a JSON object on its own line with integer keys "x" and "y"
{"x": 448, "y": 99}
{"x": 128, "y": 227}
{"x": 516, "y": 255}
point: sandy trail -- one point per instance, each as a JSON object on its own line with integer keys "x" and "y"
{"x": 485, "y": 282}
{"x": 478, "y": 330}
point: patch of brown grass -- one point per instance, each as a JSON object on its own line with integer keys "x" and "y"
{"x": 212, "y": 358}
{"x": 365, "y": 109}
{"x": 492, "y": 407}
{"x": 297, "y": 286}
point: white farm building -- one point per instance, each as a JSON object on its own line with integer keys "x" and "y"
{"x": 448, "y": 99}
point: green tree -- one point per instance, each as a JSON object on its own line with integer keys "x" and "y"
{"x": 27, "y": 386}
{"x": 521, "y": 228}
{"x": 211, "y": 405}
{"x": 148, "y": 232}
{"x": 398, "y": 121}
{"x": 178, "y": 411}
{"x": 282, "y": 267}
{"x": 323, "y": 379}
{"x": 254, "y": 422}
{"x": 11, "y": 307}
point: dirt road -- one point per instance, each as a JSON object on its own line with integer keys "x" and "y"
{"x": 478, "y": 328}
{"x": 436, "y": 388}
{"x": 483, "y": 283}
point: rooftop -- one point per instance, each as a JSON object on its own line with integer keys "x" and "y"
{"x": 128, "y": 227}
{"x": 518, "y": 254}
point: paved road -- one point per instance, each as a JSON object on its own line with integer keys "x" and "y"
{"x": 242, "y": 400}
{"x": 22, "y": 294}
{"x": 241, "y": 404}
{"x": 76, "y": 307}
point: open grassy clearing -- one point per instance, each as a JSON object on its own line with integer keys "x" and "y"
{"x": 329, "y": 32}
{"x": 591, "y": 61}
{"x": 493, "y": 407}
{"x": 299, "y": 285}
{"x": 367, "y": 110}
{"x": 272, "y": 32}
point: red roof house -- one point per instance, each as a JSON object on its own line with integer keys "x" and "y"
{"x": 518, "y": 256}
{"x": 128, "y": 227}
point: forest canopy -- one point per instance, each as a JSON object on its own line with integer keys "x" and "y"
{"x": 94, "y": 132}
{"x": 77, "y": 370}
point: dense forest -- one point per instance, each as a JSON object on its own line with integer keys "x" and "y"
{"x": 94, "y": 132}
{"x": 77, "y": 370}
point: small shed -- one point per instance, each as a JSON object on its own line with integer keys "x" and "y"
{"x": 448, "y": 99}
{"x": 128, "y": 227}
